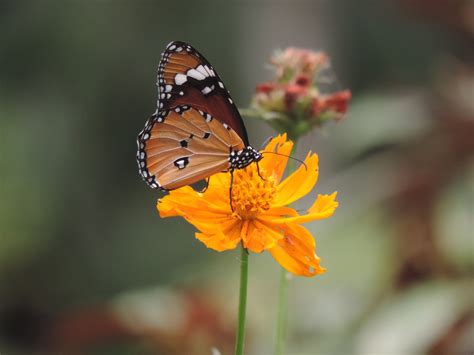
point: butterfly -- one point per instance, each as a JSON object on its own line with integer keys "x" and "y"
{"x": 196, "y": 130}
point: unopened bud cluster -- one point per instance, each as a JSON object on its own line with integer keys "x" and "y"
{"x": 293, "y": 101}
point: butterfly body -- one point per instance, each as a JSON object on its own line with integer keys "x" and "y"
{"x": 196, "y": 130}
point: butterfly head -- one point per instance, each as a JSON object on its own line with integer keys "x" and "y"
{"x": 239, "y": 159}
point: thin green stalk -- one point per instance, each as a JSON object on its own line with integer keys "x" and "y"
{"x": 282, "y": 315}
{"x": 239, "y": 342}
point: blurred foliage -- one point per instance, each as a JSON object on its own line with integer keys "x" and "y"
{"x": 79, "y": 230}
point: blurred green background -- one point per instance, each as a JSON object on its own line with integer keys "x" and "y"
{"x": 88, "y": 267}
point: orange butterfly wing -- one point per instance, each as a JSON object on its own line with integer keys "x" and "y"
{"x": 197, "y": 130}
{"x": 185, "y": 77}
{"x": 184, "y": 145}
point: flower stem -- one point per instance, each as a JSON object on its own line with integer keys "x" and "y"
{"x": 239, "y": 343}
{"x": 282, "y": 316}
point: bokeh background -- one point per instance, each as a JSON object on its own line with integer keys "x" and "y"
{"x": 88, "y": 267}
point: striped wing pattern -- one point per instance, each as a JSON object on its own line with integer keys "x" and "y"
{"x": 183, "y": 145}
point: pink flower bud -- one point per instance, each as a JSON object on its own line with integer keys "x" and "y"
{"x": 337, "y": 102}
{"x": 266, "y": 88}
{"x": 292, "y": 93}
{"x": 303, "y": 80}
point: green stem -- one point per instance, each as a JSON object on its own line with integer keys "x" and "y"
{"x": 244, "y": 263}
{"x": 282, "y": 315}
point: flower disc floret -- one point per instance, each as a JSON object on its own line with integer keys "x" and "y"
{"x": 251, "y": 194}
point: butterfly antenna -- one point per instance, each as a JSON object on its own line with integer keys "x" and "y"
{"x": 265, "y": 142}
{"x": 290, "y": 157}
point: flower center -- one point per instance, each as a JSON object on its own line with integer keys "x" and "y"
{"x": 252, "y": 194}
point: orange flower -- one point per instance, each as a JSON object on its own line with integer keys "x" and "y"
{"x": 261, "y": 218}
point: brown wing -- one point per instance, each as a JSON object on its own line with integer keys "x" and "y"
{"x": 185, "y": 77}
{"x": 182, "y": 146}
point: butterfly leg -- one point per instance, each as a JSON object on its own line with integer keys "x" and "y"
{"x": 207, "y": 185}
{"x": 230, "y": 189}
{"x": 258, "y": 171}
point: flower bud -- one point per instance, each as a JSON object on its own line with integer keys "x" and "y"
{"x": 293, "y": 101}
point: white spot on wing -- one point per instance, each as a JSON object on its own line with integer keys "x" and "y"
{"x": 206, "y": 90}
{"x": 193, "y": 73}
{"x": 180, "y": 79}
{"x": 208, "y": 71}
{"x": 221, "y": 84}
{"x": 202, "y": 70}
{"x": 168, "y": 88}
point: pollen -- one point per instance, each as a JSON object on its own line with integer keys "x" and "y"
{"x": 252, "y": 194}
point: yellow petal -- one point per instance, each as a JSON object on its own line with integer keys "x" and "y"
{"x": 273, "y": 163}
{"x": 260, "y": 236}
{"x": 218, "y": 199}
{"x": 276, "y": 212}
{"x": 299, "y": 183}
{"x": 210, "y": 226}
{"x": 325, "y": 205}
{"x": 168, "y": 206}
{"x": 218, "y": 230}
{"x": 221, "y": 179}
{"x": 295, "y": 252}
{"x": 222, "y": 239}
{"x": 322, "y": 208}
{"x": 189, "y": 206}
{"x": 218, "y": 184}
